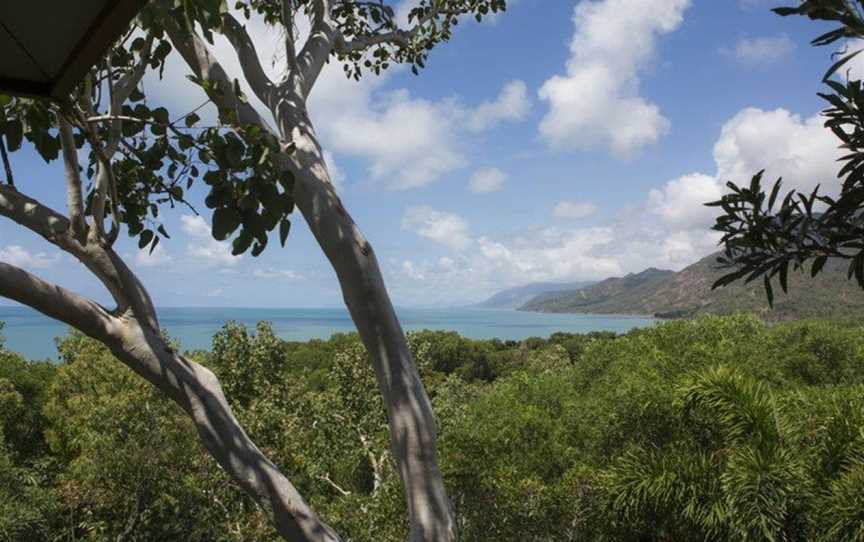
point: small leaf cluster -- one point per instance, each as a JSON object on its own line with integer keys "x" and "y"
{"x": 159, "y": 156}
{"x": 22, "y": 119}
{"x": 362, "y": 20}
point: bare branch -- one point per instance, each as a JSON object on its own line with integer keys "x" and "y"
{"x": 54, "y": 301}
{"x": 207, "y": 68}
{"x": 101, "y": 260}
{"x": 288, "y": 9}
{"x": 400, "y": 38}
{"x": 106, "y": 183}
{"x": 74, "y": 198}
{"x": 326, "y": 478}
{"x": 318, "y": 45}
{"x": 129, "y": 82}
{"x": 248, "y": 57}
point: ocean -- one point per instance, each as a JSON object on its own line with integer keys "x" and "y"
{"x": 32, "y": 334}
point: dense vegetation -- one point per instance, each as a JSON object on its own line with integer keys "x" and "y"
{"x": 716, "y": 428}
{"x": 689, "y": 292}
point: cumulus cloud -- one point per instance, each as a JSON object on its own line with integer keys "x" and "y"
{"x": 681, "y": 201}
{"x": 202, "y": 247}
{"x": 276, "y": 274}
{"x": 21, "y": 257}
{"x": 158, "y": 257}
{"x": 760, "y": 51}
{"x": 801, "y": 151}
{"x": 670, "y": 229}
{"x": 448, "y": 229}
{"x": 408, "y": 141}
{"x": 511, "y": 104}
{"x": 574, "y": 209}
{"x": 487, "y": 180}
{"x": 597, "y": 102}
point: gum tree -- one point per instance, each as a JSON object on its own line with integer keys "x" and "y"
{"x": 258, "y": 167}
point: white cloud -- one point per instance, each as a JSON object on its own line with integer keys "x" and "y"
{"x": 669, "y": 230}
{"x": 203, "y": 247}
{"x": 449, "y": 229}
{"x": 512, "y": 104}
{"x": 276, "y": 274}
{"x": 487, "y": 180}
{"x": 681, "y": 201}
{"x": 574, "y": 209}
{"x": 409, "y": 142}
{"x": 21, "y": 257}
{"x": 803, "y": 152}
{"x": 216, "y": 292}
{"x": 761, "y": 51}
{"x": 597, "y": 102}
{"x": 158, "y": 257}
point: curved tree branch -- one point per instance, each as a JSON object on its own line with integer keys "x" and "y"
{"x": 254, "y": 74}
{"x": 74, "y": 198}
{"x": 207, "y": 68}
{"x": 102, "y": 261}
{"x": 318, "y": 46}
{"x": 56, "y": 302}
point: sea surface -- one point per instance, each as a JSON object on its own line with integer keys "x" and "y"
{"x": 33, "y": 335}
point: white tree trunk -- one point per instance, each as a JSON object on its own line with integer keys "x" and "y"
{"x": 412, "y": 424}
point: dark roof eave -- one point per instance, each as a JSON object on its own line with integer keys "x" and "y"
{"x": 110, "y": 24}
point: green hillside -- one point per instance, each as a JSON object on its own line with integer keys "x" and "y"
{"x": 688, "y": 293}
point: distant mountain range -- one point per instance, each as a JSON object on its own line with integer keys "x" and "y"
{"x": 669, "y": 294}
{"x": 519, "y": 296}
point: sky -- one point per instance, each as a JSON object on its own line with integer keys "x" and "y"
{"x": 560, "y": 141}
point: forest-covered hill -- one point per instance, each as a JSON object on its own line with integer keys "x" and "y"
{"x": 688, "y": 293}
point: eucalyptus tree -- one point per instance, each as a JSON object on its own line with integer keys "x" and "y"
{"x": 257, "y": 166}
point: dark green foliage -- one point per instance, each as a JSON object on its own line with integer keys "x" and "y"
{"x": 717, "y": 428}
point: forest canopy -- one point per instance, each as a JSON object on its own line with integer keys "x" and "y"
{"x": 718, "y": 428}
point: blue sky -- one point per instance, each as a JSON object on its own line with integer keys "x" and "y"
{"x": 560, "y": 141}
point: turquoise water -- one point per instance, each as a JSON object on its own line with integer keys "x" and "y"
{"x": 32, "y": 334}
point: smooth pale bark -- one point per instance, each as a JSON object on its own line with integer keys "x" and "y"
{"x": 412, "y": 423}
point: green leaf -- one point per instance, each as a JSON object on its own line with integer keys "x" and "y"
{"x": 769, "y": 291}
{"x": 818, "y": 264}
{"x": 191, "y": 119}
{"x": 160, "y": 115}
{"x": 784, "y": 276}
{"x": 839, "y": 64}
{"x": 284, "y": 229}
{"x": 241, "y": 243}
{"x": 225, "y": 221}
{"x": 14, "y": 134}
{"x": 145, "y": 238}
